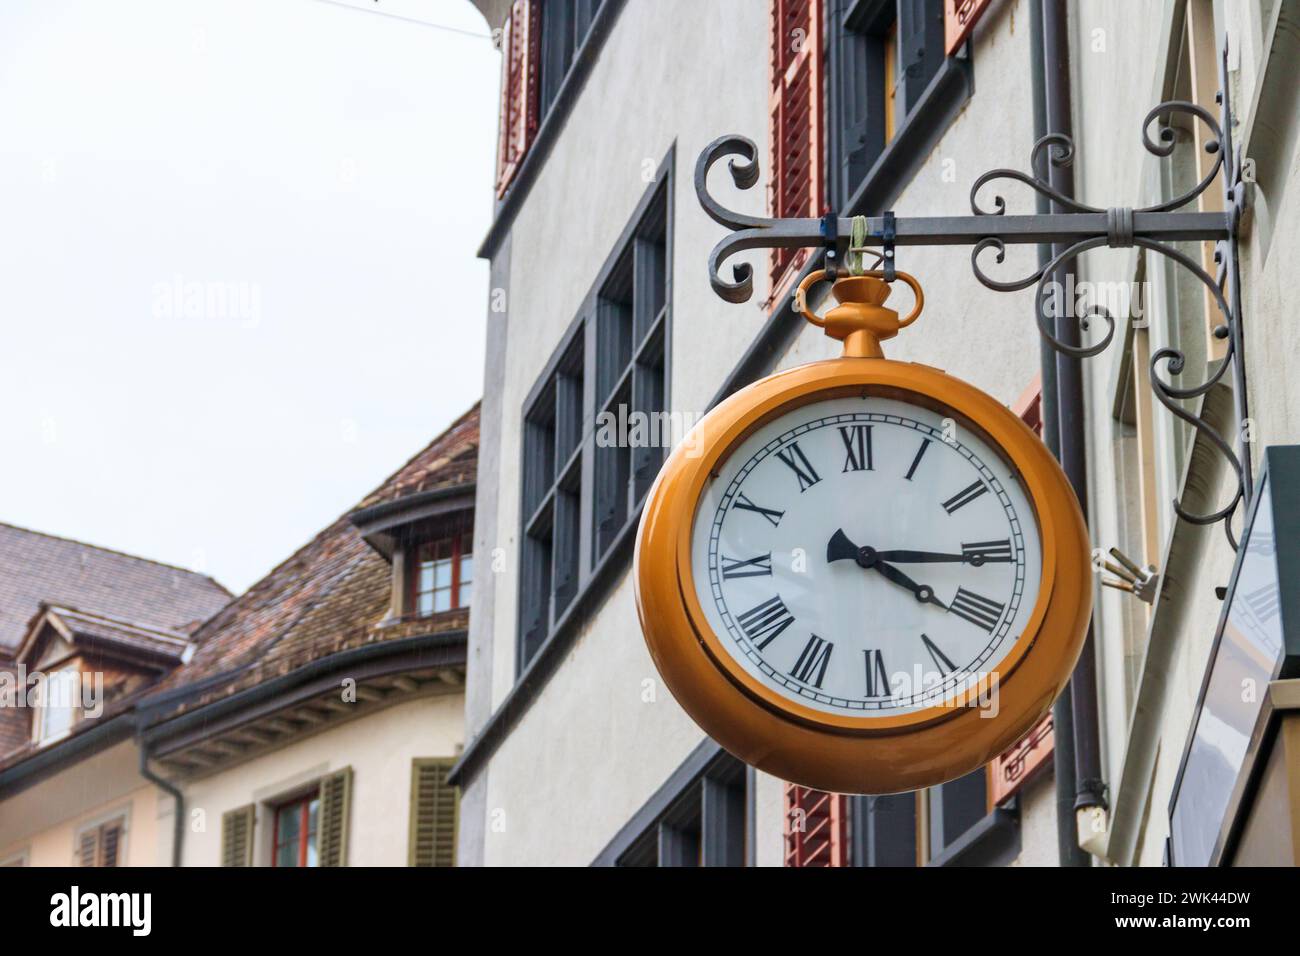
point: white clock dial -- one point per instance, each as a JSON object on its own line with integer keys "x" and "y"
{"x": 866, "y": 557}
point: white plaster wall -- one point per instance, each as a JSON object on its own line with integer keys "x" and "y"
{"x": 379, "y": 748}
{"x": 591, "y": 748}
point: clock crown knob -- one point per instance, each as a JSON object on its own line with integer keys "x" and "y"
{"x": 860, "y": 320}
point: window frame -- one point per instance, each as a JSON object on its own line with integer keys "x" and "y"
{"x": 75, "y": 708}
{"x": 459, "y": 541}
{"x": 306, "y": 835}
{"x": 702, "y": 821}
{"x": 589, "y": 560}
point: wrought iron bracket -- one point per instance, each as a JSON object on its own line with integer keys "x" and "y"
{"x": 1073, "y": 227}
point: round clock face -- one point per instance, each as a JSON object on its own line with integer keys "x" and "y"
{"x": 866, "y": 557}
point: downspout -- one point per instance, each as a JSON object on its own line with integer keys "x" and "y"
{"x": 1068, "y": 850}
{"x": 178, "y": 822}
{"x": 1075, "y": 714}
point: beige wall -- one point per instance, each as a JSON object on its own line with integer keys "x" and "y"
{"x": 379, "y": 748}
{"x": 42, "y": 822}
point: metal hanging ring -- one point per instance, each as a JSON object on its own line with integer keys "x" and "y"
{"x": 800, "y": 301}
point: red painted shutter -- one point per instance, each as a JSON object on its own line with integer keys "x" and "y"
{"x": 520, "y": 55}
{"x": 816, "y": 827}
{"x": 795, "y": 126}
{"x": 959, "y": 17}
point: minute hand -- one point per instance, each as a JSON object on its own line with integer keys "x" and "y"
{"x": 919, "y": 557}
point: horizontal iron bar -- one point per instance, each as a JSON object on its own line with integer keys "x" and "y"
{"x": 968, "y": 230}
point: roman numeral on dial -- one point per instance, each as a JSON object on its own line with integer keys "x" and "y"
{"x": 981, "y": 611}
{"x": 747, "y": 567}
{"x": 877, "y": 675}
{"x": 920, "y": 453}
{"x": 965, "y": 496}
{"x": 857, "y": 447}
{"x": 940, "y": 659}
{"x": 987, "y": 552}
{"x": 793, "y": 456}
{"x": 744, "y": 504}
{"x": 811, "y": 665}
{"x": 765, "y": 622}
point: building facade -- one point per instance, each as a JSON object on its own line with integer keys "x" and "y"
{"x": 601, "y": 316}
{"x": 311, "y": 721}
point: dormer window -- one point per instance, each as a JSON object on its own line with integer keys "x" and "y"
{"x": 442, "y": 574}
{"x": 59, "y": 705}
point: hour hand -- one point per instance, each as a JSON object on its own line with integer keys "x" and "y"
{"x": 840, "y": 548}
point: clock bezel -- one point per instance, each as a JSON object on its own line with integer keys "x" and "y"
{"x": 835, "y": 751}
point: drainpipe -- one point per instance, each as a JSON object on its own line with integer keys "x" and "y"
{"x": 1068, "y": 851}
{"x": 1075, "y": 713}
{"x": 178, "y": 822}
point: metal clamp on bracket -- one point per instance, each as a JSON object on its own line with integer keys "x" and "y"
{"x": 830, "y": 230}
{"x": 888, "y": 232}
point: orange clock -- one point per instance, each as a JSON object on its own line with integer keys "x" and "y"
{"x": 862, "y": 575}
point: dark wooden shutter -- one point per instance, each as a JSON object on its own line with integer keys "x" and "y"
{"x": 110, "y": 841}
{"x": 920, "y": 50}
{"x": 816, "y": 827}
{"x": 237, "y": 836}
{"x": 434, "y": 809}
{"x": 87, "y": 847}
{"x": 332, "y": 825}
{"x": 520, "y": 56}
{"x": 795, "y": 125}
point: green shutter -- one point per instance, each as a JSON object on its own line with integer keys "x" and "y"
{"x": 237, "y": 836}
{"x": 434, "y": 808}
{"x": 335, "y": 809}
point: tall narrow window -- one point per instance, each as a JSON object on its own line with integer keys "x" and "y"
{"x": 59, "y": 705}
{"x": 884, "y": 53}
{"x": 594, "y": 432}
{"x": 520, "y": 116}
{"x": 539, "y": 45}
{"x": 295, "y": 832}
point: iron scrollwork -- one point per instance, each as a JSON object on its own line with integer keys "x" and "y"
{"x": 1074, "y": 228}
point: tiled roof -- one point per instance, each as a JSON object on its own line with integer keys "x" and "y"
{"x": 329, "y": 594}
{"x": 324, "y": 598}
{"x": 452, "y": 459}
{"x": 97, "y": 629}
{"x": 36, "y": 568}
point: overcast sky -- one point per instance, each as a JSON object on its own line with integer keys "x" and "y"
{"x": 237, "y": 275}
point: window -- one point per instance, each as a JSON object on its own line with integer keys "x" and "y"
{"x": 946, "y": 812}
{"x": 443, "y": 574}
{"x": 884, "y": 53}
{"x": 538, "y": 46}
{"x": 101, "y": 844}
{"x": 832, "y": 829}
{"x": 593, "y": 426}
{"x": 59, "y": 705}
{"x": 295, "y": 832}
{"x": 704, "y": 825}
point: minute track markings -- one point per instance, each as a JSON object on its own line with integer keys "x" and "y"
{"x": 745, "y": 537}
